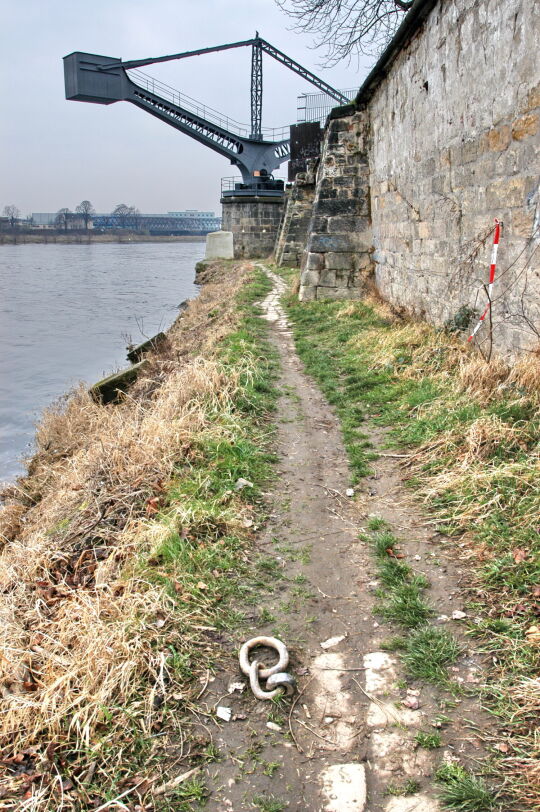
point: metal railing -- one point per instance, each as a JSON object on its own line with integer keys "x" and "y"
{"x": 317, "y": 106}
{"x": 146, "y": 82}
{"x": 268, "y": 184}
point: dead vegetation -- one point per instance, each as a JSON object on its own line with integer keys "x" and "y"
{"x": 87, "y": 628}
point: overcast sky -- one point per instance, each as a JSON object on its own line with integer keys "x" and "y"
{"x": 55, "y": 153}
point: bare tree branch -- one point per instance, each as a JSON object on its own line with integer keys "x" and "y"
{"x": 347, "y": 27}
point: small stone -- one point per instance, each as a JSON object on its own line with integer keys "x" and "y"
{"x": 332, "y": 641}
{"x": 417, "y": 557}
{"x": 242, "y": 483}
{"x": 273, "y": 726}
{"x": 349, "y": 492}
{"x": 457, "y": 614}
{"x": 223, "y": 713}
{"x": 236, "y": 686}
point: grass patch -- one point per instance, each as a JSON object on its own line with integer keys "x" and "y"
{"x": 473, "y": 432}
{"x": 462, "y": 791}
{"x": 427, "y": 653}
{"x": 268, "y": 803}
{"x": 430, "y": 740}
{"x": 410, "y": 787}
{"x": 401, "y": 601}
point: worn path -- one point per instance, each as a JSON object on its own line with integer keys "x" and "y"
{"x": 349, "y": 741}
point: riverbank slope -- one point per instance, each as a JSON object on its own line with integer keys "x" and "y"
{"x": 225, "y": 498}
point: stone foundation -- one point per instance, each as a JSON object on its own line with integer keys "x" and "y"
{"x": 254, "y": 222}
{"x": 293, "y": 232}
{"x": 337, "y": 260}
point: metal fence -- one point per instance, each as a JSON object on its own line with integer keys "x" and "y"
{"x": 316, "y": 106}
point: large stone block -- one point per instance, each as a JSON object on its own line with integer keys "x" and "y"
{"x": 315, "y": 262}
{"x": 327, "y": 279}
{"x": 339, "y": 206}
{"x": 334, "y": 294}
{"x": 309, "y": 278}
{"x": 307, "y": 294}
{"x": 219, "y": 245}
{"x": 339, "y": 261}
{"x": 348, "y": 223}
{"x": 331, "y": 242}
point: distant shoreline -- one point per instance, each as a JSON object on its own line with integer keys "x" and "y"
{"x": 84, "y": 239}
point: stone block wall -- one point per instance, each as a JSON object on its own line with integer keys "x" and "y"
{"x": 445, "y": 140}
{"x": 455, "y": 144}
{"x": 294, "y": 227}
{"x": 254, "y": 222}
{"x": 337, "y": 257}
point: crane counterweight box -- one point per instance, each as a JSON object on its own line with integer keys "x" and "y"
{"x": 88, "y": 78}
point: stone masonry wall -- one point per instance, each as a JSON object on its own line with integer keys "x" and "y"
{"x": 454, "y": 144}
{"x": 448, "y": 141}
{"x": 338, "y": 251}
{"x": 254, "y": 223}
{"x": 294, "y": 227}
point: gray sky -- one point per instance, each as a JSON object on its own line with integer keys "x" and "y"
{"x": 55, "y": 153}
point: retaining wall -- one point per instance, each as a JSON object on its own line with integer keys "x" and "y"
{"x": 444, "y": 140}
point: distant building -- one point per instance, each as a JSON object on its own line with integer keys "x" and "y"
{"x": 190, "y": 221}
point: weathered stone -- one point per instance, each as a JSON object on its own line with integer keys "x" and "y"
{"x": 339, "y": 293}
{"x": 110, "y": 389}
{"x": 524, "y": 126}
{"x": 344, "y": 788}
{"x": 327, "y": 279}
{"x": 331, "y": 242}
{"x": 219, "y": 245}
{"x": 307, "y": 294}
{"x": 417, "y": 803}
{"x": 136, "y": 353}
{"x": 309, "y": 278}
{"x": 315, "y": 262}
{"x": 499, "y": 138}
{"x": 337, "y": 261}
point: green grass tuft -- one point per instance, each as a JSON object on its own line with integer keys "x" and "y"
{"x": 268, "y": 803}
{"x": 430, "y": 740}
{"x": 428, "y": 652}
{"x": 462, "y": 791}
{"x": 404, "y": 605}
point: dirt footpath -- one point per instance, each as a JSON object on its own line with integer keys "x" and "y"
{"x": 348, "y": 743}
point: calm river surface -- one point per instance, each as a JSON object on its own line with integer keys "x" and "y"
{"x": 65, "y": 312}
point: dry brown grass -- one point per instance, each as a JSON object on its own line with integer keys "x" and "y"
{"x": 82, "y": 629}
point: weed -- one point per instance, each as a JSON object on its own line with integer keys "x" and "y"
{"x": 462, "y": 791}
{"x": 268, "y": 803}
{"x": 404, "y": 605}
{"x": 376, "y": 523}
{"x": 428, "y": 651}
{"x": 270, "y": 768}
{"x": 266, "y": 616}
{"x": 410, "y": 787}
{"x": 210, "y": 753}
{"x": 430, "y": 740}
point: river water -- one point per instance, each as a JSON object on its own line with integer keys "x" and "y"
{"x": 66, "y": 315}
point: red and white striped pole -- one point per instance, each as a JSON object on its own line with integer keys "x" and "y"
{"x": 492, "y": 268}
